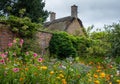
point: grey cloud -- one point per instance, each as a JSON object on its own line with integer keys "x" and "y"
{"x": 97, "y": 12}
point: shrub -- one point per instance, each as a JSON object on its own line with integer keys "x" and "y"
{"x": 64, "y": 45}
{"x": 61, "y": 45}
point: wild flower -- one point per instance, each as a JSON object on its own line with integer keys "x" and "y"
{"x": 40, "y": 59}
{"x": 35, "y": 54}
{"x": 27, "y": 53}
{"x": 21, "y": 79}
{"x": 95, "y": 76}
{"x": 14, "y": 41}
{"x": 10, "y": 44}
{"x": 96, "y": 82}
{"x": 15, "y": 70}
{"x": 51, "y": 72}
{"x": 26, "y": 69}
{"x": 98, "y": 70}
{"x": 3, "y": 55}
{"x": 58, "y": 77}
{"x": 118, "y": 81}
{"x": 21, "y": 42}
{"x": 2, "y": 61}
{"x": 64, "y": 81}
{"x": 107, "y": 77}
{"x": 102, "y": 75}
{"x": 61, "y": 75}
{"x": 44, "y": 67}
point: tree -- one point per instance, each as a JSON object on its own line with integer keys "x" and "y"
{"x": 34, "y": 9}
{"x": 114, "y": 38}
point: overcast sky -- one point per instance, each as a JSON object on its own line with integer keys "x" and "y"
{"x": 91, "y": 12}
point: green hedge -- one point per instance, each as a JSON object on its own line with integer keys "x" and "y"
{"x": 65, "y": 45}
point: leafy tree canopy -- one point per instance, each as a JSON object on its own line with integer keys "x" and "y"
{"x": 34, "y": 9}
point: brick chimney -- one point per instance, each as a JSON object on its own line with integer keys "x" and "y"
{"x": 52, "y": 16}
{"x": 74, "y": 11}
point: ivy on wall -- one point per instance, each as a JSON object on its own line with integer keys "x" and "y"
{"x": 21, "y": 26}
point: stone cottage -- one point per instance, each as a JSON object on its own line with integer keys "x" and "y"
{"x": 71, "y": 24}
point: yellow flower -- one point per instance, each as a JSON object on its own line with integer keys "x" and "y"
{"x": 107, "y": 77}
{"x": 21, "y": 79}
{"x": 58, "y": 77}
{"x": 60, "y": 71}
{"x": 96, "y": 82}
{"x": 26, "y": 69}
{"x": 95, "y": 76}
{"x": 44, "y": 67}
{"x": 98, "y": 70}
{"x": 64, "y": 81}
{"x": 110, "y": 83}
{"x": 99, "y": 67}
{"x": 52, "y": 72}
{"x": 35, "y": 73}
{"x": 102, "y": 75}
{"x": 118, "y": 81}
{"x": 61, "y": 75}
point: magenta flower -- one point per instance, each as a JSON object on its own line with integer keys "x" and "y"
{"x": 15, "y": 70}
{"x": 35, "y": 54}
{"x": 2, "y": 61}
{"x": 10, "y": 44}
{"x": 40, "y": 59}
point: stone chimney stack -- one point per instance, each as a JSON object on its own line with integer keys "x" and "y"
{"x": 52, "y": 16}
{"x": 74, "y": 11}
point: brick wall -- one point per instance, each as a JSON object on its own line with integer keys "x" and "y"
{"x": 6, "y": 36}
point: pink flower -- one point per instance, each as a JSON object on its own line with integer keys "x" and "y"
{"x": 27, "y": 53}
{"x": 35, "y": 55}
{"x": 3, "y": 55}
{"x": 21, "y": 42}
{"x": 40, "y": 59}
{"x": 10, "y": 44}
{"x": 14, "y": 41}
{"x": 2, "y": 61}
{"x": 15, "y": 70}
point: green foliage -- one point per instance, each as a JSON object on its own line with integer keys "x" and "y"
{"x": 61, "y": 45}
{"x": 99, "y": 44}
{"x": 34, "y": 9}
{"x": 22, "y": 26}
{"x": 114, "y": 38}
{"x": 31, "y": 45}
{"x": 64, "y": 45}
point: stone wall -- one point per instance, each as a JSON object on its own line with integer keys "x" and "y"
{"x": 44, "y": 39}
{"x": 6, "y": 36}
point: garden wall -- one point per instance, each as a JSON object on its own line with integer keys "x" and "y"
{"x": 6, "y": 36}
{"x": 44, "y": 39}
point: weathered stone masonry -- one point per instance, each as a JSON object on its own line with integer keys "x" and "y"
{"x": 6, "y": 36}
